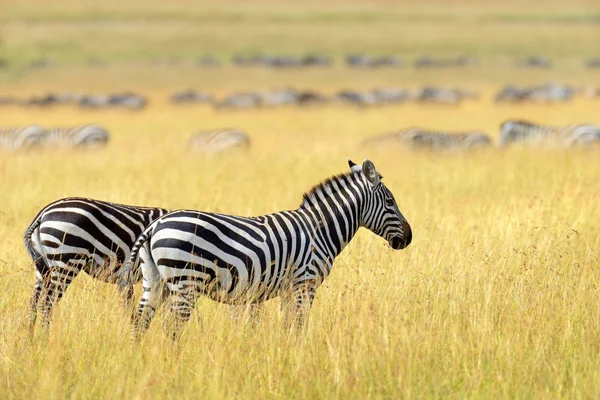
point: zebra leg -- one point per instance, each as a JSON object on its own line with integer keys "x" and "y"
{"x": 60, "y": 277}
{"x": 38, "y": 286}
{"x": 183, "y": 301}
{"x": 152, "y": 297}
{"x": 302, "y": 297}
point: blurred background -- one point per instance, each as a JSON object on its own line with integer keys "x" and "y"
{"x": 156, "y": 49}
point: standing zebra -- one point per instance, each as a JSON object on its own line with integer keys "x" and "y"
{"x": 212, "y": 142}
{"x": 418, "y": 138}
{"x": 81, "y": 136}
{"x": 558, "y": 136}
{"x": 74, "y": 234}
{"x": 241, "y": 260}
{"x": 22, "y": 137}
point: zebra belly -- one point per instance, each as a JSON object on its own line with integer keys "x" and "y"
{"x": 224, "y": 281}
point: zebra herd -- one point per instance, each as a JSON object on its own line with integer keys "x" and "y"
{"x": 355, "y": 60}
{"x": 377, "y": 96}
{"x": 33, "y": 136}
{"x": 230, "y": 259}
{"x": 220, "y": 140}
{"x": 511, "y": 132}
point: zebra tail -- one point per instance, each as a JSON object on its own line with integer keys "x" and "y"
{"x": 131, "y": 265}
{"x": 40, "y": 262}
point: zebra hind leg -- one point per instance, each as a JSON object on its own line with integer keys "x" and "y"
{"x": 152, "y": 297}
{"x": 38, "y": 287}
{"x": 59, "y": 280}
{"x": 183, "y": 302}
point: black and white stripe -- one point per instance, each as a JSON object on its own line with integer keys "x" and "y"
{"x": 212, "y": 142}
{"x": 564, "y": 136}
{"x": 418, "y": 138}
{"x": 241, "y": 260}
{"x": 25, "y": 137}
{"x": 81, "y": 136}
{"x": 74, "y": 234}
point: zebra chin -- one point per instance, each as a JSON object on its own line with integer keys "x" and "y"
{"x": 399, "y": 243}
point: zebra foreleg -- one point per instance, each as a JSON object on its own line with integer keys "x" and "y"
{"x": 299, "y": 303}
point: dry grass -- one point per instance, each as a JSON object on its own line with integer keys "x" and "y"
{"x": 497, "y": 297}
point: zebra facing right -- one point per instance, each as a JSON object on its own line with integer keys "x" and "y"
{"x": 241, "y": 260}
{"x": 567, "y": 136}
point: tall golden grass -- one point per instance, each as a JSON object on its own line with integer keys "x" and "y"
{"x": 496, "y": 297}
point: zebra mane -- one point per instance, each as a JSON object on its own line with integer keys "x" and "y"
{"x": 311, "y": 197}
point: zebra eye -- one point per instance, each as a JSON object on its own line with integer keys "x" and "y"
{"x": 389, "y": 202}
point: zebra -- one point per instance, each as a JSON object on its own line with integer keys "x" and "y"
{"x": 22, "y": 137}
{"x": 418, "y": 138}
{"x": 558, "y": 136}
{"x": 212, "y": 142}
{"x": 248, "y": 260}
{"x": 74, "y": 234}
{"x": 81, "y": 136}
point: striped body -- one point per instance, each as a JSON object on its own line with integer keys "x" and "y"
{"x": 247, "y": 260}
{"x": 74, "y": 234}
{"x": 22, "y": 137}
{"x": 554, "y": 136}
{"x": 212, "y": 142}
{"x": 82, "y": 136}
{"x": 418, "y": 138}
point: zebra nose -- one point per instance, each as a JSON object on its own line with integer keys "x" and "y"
{"x": 407, "y": 234}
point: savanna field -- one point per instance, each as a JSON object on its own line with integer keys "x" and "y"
{"x": 497, "y": 296}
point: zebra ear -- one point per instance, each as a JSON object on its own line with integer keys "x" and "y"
{"x": 354, "y": 167}
{"x": 370, "y": 172}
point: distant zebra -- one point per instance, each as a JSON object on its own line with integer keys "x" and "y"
{"x": 22, "y": 137}
{"x": 418, "y": 138}
{"x": 74, "y": 234}
{"x": 555, "y": 136}
{"x": 212, "y": 142}
{"x": 81, "y": 136}
{"x": 248, "y": 260}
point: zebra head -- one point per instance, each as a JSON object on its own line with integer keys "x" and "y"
{"x": 511, "y": 131}
{"x": 380, "y": 213}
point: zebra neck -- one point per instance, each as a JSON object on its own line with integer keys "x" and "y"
{"x": 333, "y": 226}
